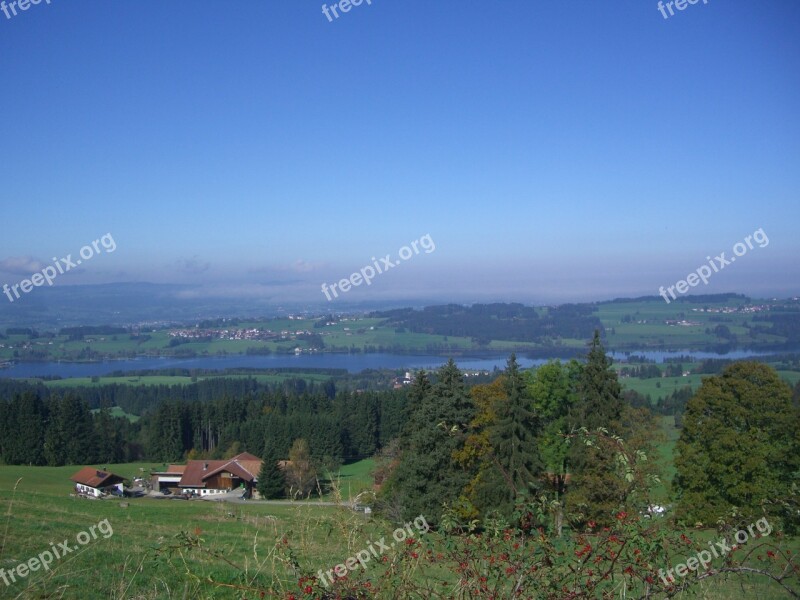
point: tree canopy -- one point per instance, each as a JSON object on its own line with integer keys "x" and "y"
{"x": 738, "y": 448}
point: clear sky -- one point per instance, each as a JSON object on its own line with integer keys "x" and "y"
{"x": 559, "y": 150}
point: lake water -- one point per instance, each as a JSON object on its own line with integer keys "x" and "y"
{"x": 354, "y": 363}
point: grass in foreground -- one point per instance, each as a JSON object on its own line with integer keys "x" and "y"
{"x": 144, "y": 558}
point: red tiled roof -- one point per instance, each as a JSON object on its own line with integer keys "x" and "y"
{"x": 196, "y": 470}
{"x": 246, "y": 456}
{"x": 247, "y": 470}
{"x": 245, "y": 466}
{"x": 95, "y": 478}
{"x": 251, "y": 466}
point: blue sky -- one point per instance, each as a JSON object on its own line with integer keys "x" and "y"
{"x": 553, "y": 151}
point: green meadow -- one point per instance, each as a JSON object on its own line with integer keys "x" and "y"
{"x": 195, "y": 549}
{"x": 153, "y": 549}
{"x": 177, "y": 379}
{"x": 234, "y": 542}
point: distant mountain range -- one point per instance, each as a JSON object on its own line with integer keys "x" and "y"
{"x": 129, "y": 303}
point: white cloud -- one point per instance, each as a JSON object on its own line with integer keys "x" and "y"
{"x": 304, "y": 266}
{"x": 21, "y": 265}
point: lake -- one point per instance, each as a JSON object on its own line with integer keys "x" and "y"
{"x": 353, "y": 363}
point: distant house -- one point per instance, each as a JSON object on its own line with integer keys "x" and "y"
{"x": 96, "y": 483}
{"x": 209, "y": 477}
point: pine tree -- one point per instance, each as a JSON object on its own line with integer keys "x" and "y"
{"x": 76, "y": 421}
{"x": 428, "y": 476}
{"x": 596, "y": 491}
{"x": 26, "y": 427}
{"x": 55, "y": 436}
{"x": 599, "y": 394}
{"x": 419, "y": 390}
{"x": 513, "y": 465}
{"x": 271, "y": 479}
{"x": 109, "y": 448}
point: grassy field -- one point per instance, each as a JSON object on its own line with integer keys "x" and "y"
{"x": 355, "y": 477}
{"x": 149, "y": 549}
{"x": 41, "y": 512}
{"x": 127, "y": 564}
{"x": 178, "y": 379}
{"x": 661, "y": 387}
{"x": 657, "y": 387}
{"x": 664, "y": 453}
{"x": 643, "y": 324}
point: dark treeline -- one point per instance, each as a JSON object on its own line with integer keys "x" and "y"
{"x": 39, "y": 429}
{"x": 210, "y": 419}
{"x": 348, "y": 427}
{"x": 141, "y": 399}
{"x": 177, "y": 371}
{"x": 786, "y": 325}
{"x": 513, "y": 322}
{"x": 78, "y": 333}
{"x": 693, "y": 299}
{"x": 642, "y": 372}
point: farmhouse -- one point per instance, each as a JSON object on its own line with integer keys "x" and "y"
{"x": 95, "y": 483}
{"x": 209, "y": 477}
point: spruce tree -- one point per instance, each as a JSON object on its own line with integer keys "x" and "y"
{"x": 513, "y": 466}
{"x": 271, "y": 479}
{"x": 56, "y": 436}
{"x": 596, "y": 491}
{"x": 419, "y": 390}
{"x": 428, "y": 476}
{"x": 108, "y": 441}
{"x": 599, "y": 393}
{"x": 26, "y": 427}
{"x": 76, "y": 418}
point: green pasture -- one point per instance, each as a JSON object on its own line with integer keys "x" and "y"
{"x": 661, "y": 387}
{"x": 117, "y": 411}
{"x": 141, "y": 552}
{"x": 73, "y": 382}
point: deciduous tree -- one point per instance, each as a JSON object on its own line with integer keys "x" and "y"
{"x": 739, "y": 449}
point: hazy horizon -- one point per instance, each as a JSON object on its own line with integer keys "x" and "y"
{"x": 578, "y": 152}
